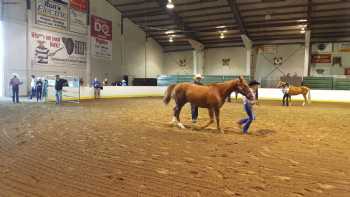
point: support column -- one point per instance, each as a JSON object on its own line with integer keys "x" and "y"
{"x": 198, "y": 56}
{"x": 248, "y": 44}
{"x": 307, "y": 53}
{"x": 195, "y": 63}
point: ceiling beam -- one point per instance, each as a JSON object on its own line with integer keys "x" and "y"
{"x": 237, "y": 16}
{"x": 178, "y": 21}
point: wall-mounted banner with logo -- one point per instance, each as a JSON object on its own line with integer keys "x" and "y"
{"x": 52, "y": 14}
{"x": 48, "y": 48}
{"x": 101, "y": 35}
{"x": 78, "y": 16}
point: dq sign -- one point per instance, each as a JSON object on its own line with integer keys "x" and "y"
{"x": 101, "y": 32}
{"x": 101, "y": 28}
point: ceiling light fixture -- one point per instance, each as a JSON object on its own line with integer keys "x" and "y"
{"x": 220, "y": 27}
{"x": 170, "y": 32}
{"x": 222, "y": 35}
{"x": 302, "y": 20}
{"x": 170, "y": 4}
{"x": 171, "y": 38}
{"x": 268, "y": 17}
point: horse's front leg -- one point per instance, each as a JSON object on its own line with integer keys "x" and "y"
{"x": 217, "y": 117}
{"x": 211, "y": 116}
{"x": 305, "y": 99}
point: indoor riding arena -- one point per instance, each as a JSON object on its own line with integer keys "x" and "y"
{"x": 174, "y": 98}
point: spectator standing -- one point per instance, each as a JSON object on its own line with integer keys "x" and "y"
{"x": 97, "y": 87}
{"x": 45, "y": 89}
{"x": 15, "y": 83}
{"x": 32, "y": 87}
{"x": 39, "y": 89}
{"x": 59, "y": 88}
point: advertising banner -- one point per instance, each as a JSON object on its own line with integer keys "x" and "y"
{"x": 57, "y": 49}
{"x": 78, "y": 14}
{"x": 101, "y": 35}
{"x": 52, "y": 14}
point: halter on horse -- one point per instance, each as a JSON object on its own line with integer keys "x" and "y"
{"x": 210, "y": 96}
{"x": 296, "y": 90}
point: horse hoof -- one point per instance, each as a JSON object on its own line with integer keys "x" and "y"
{"x": 181, "y": 126}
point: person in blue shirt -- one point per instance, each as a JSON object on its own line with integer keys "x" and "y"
{"x": 245, "y": 123}
{"x": 97, "y": 87}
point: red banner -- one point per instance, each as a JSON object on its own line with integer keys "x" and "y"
{"x": 347, "y": 71}
{"x": 101, "y": 28}
{"x": 80, "y": 5}
{"x": 321, "y": 58}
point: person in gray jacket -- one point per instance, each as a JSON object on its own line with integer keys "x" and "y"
{"x": 14, "y": 84}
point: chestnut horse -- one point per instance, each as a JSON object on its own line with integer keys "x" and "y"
{"x": 210, "y": 96}
{"x": 296, "y": 90}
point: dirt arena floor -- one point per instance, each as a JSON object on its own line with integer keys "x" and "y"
{"x": 126, "y": 147}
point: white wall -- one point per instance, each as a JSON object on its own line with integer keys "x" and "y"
{"x": 213, "y": 61}
{"x": 15, "y": 43}
{"x": 293, "y": 62}
{"x": 143, "y": 57}
{"x": 171, "y": 63}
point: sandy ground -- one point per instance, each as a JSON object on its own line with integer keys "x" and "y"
{"x": 126, "y": 147}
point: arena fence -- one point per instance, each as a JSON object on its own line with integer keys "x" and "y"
{"x": 165, "y": 80}
{"x": 327, "y": 83}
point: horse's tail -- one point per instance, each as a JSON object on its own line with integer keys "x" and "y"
{"x": 168, "y": 94}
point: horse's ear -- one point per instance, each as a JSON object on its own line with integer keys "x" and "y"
{"x": 241, "y": 79}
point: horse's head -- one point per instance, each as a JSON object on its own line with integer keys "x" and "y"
{"x": 243, "y": 88}
{"x": 282, "y": 84}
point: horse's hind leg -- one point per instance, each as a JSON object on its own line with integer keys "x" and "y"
{"x": 176, "y": 118}
{"x": 211, "y": 116}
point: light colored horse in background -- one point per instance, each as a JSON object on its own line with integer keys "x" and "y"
{"x": 296, "y": 90}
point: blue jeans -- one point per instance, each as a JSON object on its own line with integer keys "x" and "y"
{"x": 32, "y": 93}
{"x": 15, "y": 96}
{"x": 58, "y": 96}
{"x": 39, "y": 92}
{"x": 194, "y": 111}
{"x": 247, "y": 121}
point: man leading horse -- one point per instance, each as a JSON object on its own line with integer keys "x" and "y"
{"x": 210, "y": 96}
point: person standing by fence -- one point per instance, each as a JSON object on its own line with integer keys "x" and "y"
{"x": 15, "y": 83}
{"x": 59, "y": 88}
{"x": 97, "y": 87}
{"x": 45, "y": 89}
{"x": 39, "y": 89}
{"x": 32, "y": 87}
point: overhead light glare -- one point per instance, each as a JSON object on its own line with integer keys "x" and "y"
{"x": 170, "y": 4}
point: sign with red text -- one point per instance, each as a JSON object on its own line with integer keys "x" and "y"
{"x": 101, "y": 35}
{"x": 57, "y": 49}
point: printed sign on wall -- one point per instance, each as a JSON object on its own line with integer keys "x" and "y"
{"x": 321, "y": 58}
{"x": 53, "y": 14}
{"x": 101, "y": 35}
{"x": 48, "y": 48}
{"x": 78, "y": 16}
